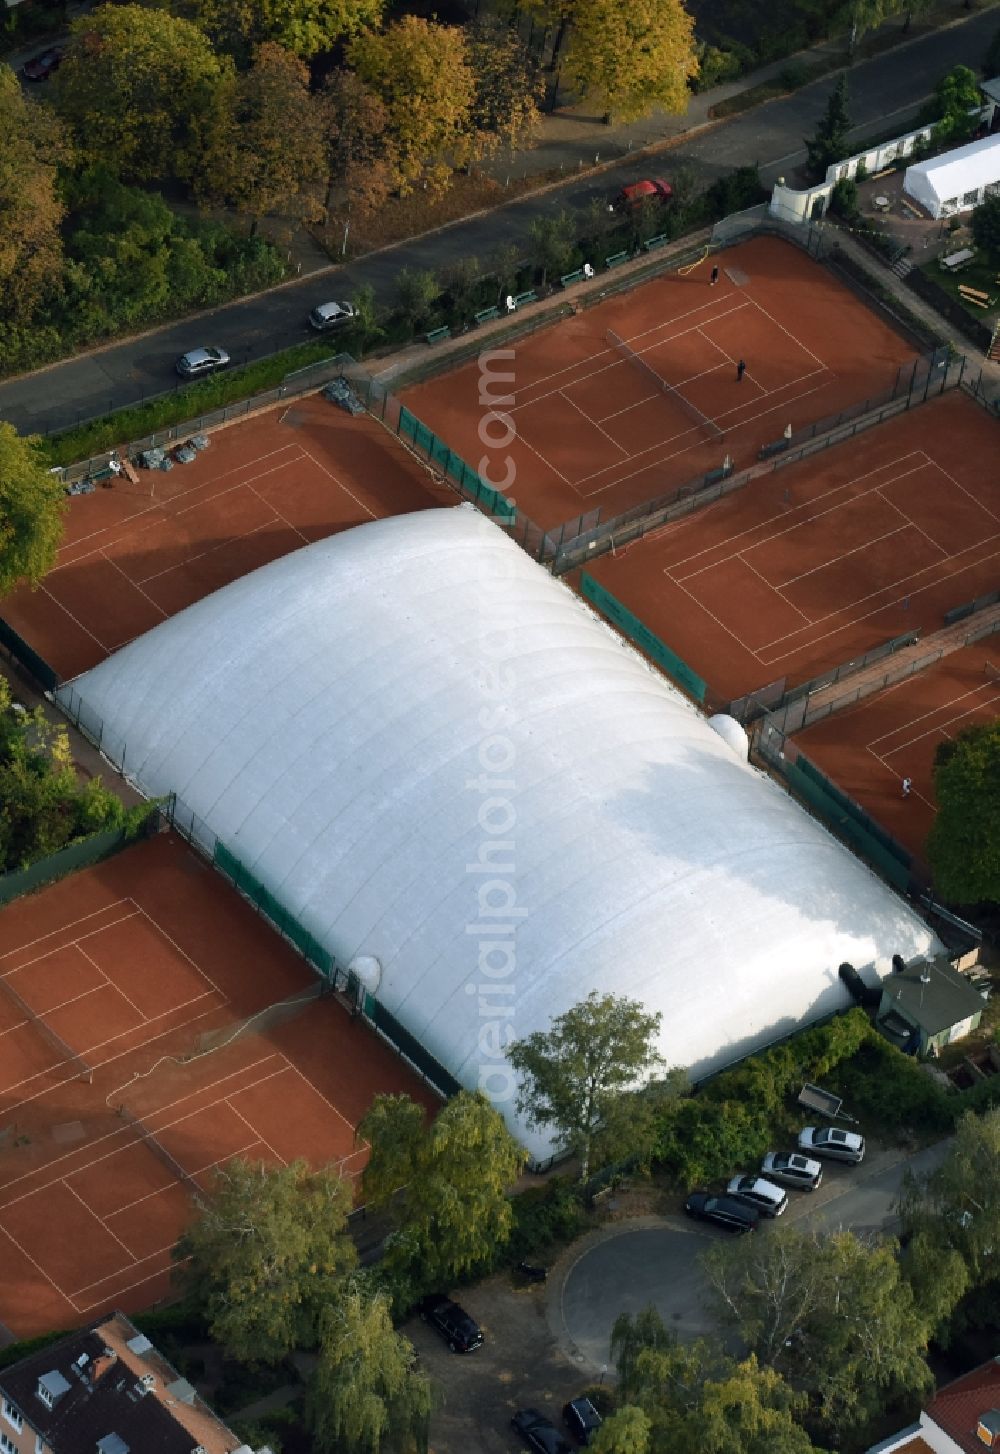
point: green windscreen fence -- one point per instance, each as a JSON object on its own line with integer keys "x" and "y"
{"x": 29, "y": 659}
{"x": 829, "y": 807}
{"x": 262, "y": 898}
{"x": 404, "y": 1042}
{"x": 66, "y": 860}
{"x": 489, "y": 500}
{"x": 856, "y": 812}
{"x": 637, "y": 631}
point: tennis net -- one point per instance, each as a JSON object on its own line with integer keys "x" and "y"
{"x": 702, "y": 420}
{"x": 992, "y": 672}
{"x": 82, "y": 1070}
{"x": 159, "y": 1150}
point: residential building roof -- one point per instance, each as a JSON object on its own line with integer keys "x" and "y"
{"x": 932, "y": 995}
{"x": 93, "y": 1391}
{"x": 959, "y": 1406}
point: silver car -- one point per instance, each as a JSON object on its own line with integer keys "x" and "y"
{"x": 832, "y": 1142}
{"x": 762, "y": 1195}
{"x": 330, "y": 315}
{"x": 788, "y": 1168}
{"x": 201, "y": 361}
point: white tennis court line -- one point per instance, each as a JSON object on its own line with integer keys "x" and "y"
{"x": 771, "y": 587}
{"x": 721, "y": 624}
{"x": 958, "y": 484}
{"x": 139, "y": 1282}
{"x": 942, "y": 707}
{"x": 846, "y": 555}
{"x": 136, "y": 585}
{"x": 161, "y": 512}
{"x": 594, "y": 423}
{"x": 36, "y": 1265}
{"x": 111, "y": 985}
{"x": 52, "y": 933}
{"x": 71, "y": 943}
{"x": 901, "y": 581}
{"x": 791, "y": 522}
{"x": 100, "y": 1220}
{"x": 182, "y": 565}
{"x": 276, "y": 515}
{"x": 341, "y": 486}
{"x": 787, "y": 331}
{"x": 258, "y": 1140}
{"x": 75, "y": 619}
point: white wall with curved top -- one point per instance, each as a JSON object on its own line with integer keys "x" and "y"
{"x": 435, "y": 754}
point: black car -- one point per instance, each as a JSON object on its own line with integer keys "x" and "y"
{"x": 725, "y": 1212}
{"x": 540, "y": 1433}
{"x": 462, "y": 1333}
{"x": 582, "y": 1419}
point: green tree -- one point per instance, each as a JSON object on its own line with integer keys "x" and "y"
{"x": 417, "y": 294}
{"x": 31, "y": 147}
{"x": 553, "y": 243}
{"x": 830, "y": 142}
{"x": 141, "y": 90}
{"x": 986, "y": 226}
{"x": 32, "y": 502}
{"x": 366, "y": 1388}
{"x": 268, "y": 1253}
{"x": 446, "y": 1184}
{"x": 632, "y": 56}
{"x": 831, "y": 1313}
{"x": 964, "y": 842}
{"x": 858, "y": 17}
{"x": 697, "y": 1400}
{"x": 422, "y": 73}
{"x": 573, "y": 1075}
{"x": 251, "y": 165}
{"x": 302, "y": 27}
{"x": 624, "y": 1432}
{"x": 956, "y": 1208}
{"x": 508, "y": 86}
{"x": 956, "y": 105}
{"x": 362, "y": 159}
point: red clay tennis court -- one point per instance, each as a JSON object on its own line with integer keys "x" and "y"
{"x": 592, "y": 428}
{"x": 137, "y": 553}
{"x": 147, "y": 968}
{"x": 868, "y": 749}
{"x": 813, "y": 565}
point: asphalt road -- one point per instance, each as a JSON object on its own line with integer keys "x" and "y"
{"x": 884, "y": 90}
{"x": 626, "y": 1271}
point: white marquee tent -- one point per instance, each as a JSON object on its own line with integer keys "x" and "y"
{"x": 451, "y": 771}
{"x": 958, "y": 180}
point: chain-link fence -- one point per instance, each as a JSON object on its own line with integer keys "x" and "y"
{"x": 302, "y": 381}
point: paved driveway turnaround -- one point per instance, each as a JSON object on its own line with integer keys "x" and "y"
{"x": 623, "y": 1271}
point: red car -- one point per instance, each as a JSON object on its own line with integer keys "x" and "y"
{"x": 40, "y": 68}
{"x": 653, "y": 189}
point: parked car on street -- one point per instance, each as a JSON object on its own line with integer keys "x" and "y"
{"x": 724, "y": 1212}
{"x": 788, "y": 1168}
{"x": 40, "y": 68}
{"x": 832, "y": 1142}
{"x": 762, "y": 1195}
{"x": 462, "y": 1333}
{"x": 201, "y": 361}
{"x": 582, "y": 1419}
{"x": 540, "y": 1433}
{"x": 330, "y": 315}
{"x": 635, "y": 194}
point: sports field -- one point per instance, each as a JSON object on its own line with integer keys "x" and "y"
{"x": 594, "y": 429}
{"x": 135, "y": 554}
{"x": 868, "y": 749}
{"x": 148, "y": 968}
{"x": 813, "y": 565}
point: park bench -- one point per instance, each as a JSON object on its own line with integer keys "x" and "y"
{"x": 777, "y": 446}
{"x": 487, "y": 315}
{"x": 652, "y": 243}
{"x": 521, "y": 298}
{"x": 616, "y": 259}
{"x": 568, "y": 279}
{"x": 438, "y": 335}
{"x": 976, "y": 296}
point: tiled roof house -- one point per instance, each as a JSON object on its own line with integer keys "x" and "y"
{"x": 106, "y": 1390}
{"x": 962, "y": 1418}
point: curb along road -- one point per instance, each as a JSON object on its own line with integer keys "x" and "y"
{"x": 122, "y": 373}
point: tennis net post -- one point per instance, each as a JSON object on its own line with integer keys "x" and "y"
{"x": 159, "y": 1150}
{"x": 691, "y": 410}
